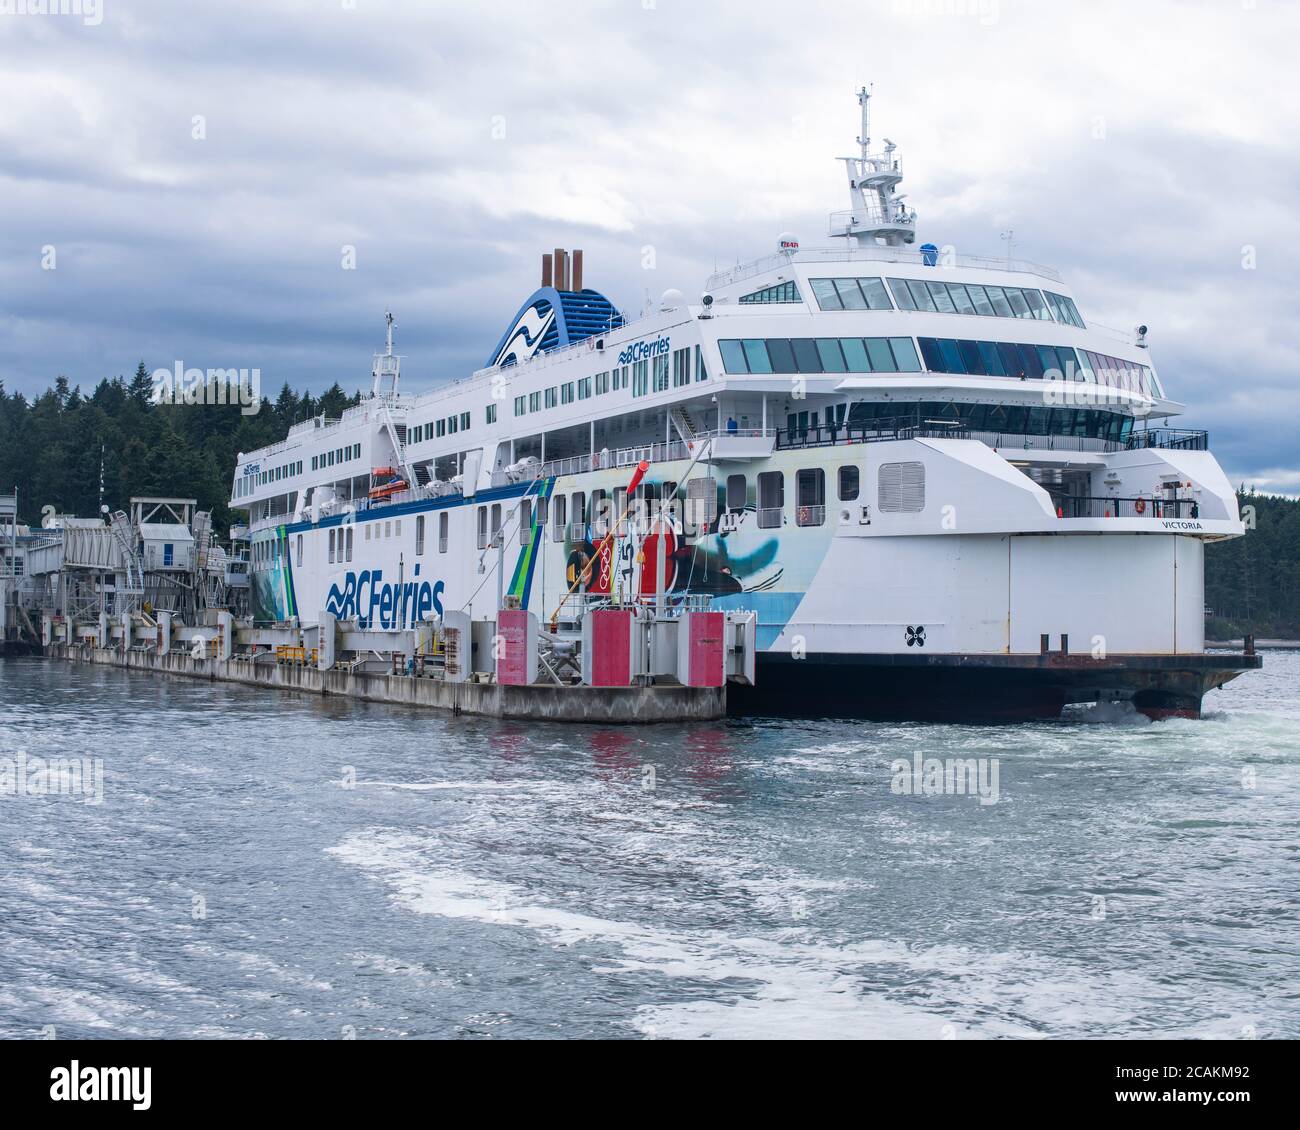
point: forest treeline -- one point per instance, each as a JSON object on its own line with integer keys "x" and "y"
{"x": 54, "y": 449}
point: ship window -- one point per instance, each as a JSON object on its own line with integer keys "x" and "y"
{"x": 701, "y": 373}
{"x": 1051, "y": 362}
{"x": 1001, "y": 307}
{"x": 882, "y": 361}
{"x": 902, "y": 296}
{"x": 942, "y": 300}
{"x": 578, "y": 508}
{"x": 349, "y": 539}
{"x": 961, "y": 298}
{"x": 970, "y": 357}
{"x": 1033, "y": 364}
{"x": 661, "y": 373}
{"x": 850, "y": 295}
{"x": 367, "y": 532}
{"x": 873, "y": 290}
{"x": 756, "y": 355}
{"x": 300, "y": 551}
{"x": 419, "y": 534}
{"x": 1019, "y": 306}
{"x": 1011, "y": 359}
{"x": 832, "y": 360}
{"x": 560, "y": 515}
{"x": 640, "y": 378}
{"x": 952, "y": 362}
{"x": 827, "y": 297}
{"x": 442, "y": 427}
{"x": 490, "y": 414}
{"x": 584, "y": 389}
{"x": 443, "y": 522}
{"x": 464, "y": 421}
{"x": 848, "y": 484}
{"x": 520, "y": 405}
{"x": 921, "y": 295}
{"x": 805, "y": 355}
{"x": 534, "y": 402}
{"x": 602, "y": 383}
{"x": 525, "y": 521}
{"x": 566, "y": 393}
{"x": 781, "y": 292}
{"x": 990, "y": 361}
{"x": 332, "y": 536}
{"x": 551, "y": 397}
{"x": 496, "y": 521}
{"x": 905, "y": 355}
{"x": 855, "y": 354}
{"x": 482, "y": 527}
{"x": 901, "y": 488}
{"x": 1036, "y": 306}
{"x": 733, "y": 357}
{"x": 930, "y": 351}
{"x": 736, "y": 489}
{"x": 771, "y": 499}
{"x": 810, "y": 487}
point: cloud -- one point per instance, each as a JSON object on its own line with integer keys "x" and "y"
{"x": 1144, "y": 150}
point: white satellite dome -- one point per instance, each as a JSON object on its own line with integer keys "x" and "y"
{"x": 672, "y": 299}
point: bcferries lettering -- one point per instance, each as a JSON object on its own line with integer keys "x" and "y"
{"x": 366, "y": 598}
{"x": 640, "y": 350}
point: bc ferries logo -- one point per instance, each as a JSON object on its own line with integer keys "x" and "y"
{"x": 526, "y": 337}
{"x": 640, "y": 350}
{"x": 365, "y": 597}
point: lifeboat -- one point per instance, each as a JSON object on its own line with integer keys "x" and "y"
{"x": 385, "y": 482}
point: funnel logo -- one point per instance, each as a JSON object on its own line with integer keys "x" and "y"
{"x": 366, "y": 598}
{"x": 526, "y": 337}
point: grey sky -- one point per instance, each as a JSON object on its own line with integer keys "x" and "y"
{"x": 1145, "y": 150}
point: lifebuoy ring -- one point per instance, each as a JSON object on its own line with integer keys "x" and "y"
{"x": 1140, "y": 505}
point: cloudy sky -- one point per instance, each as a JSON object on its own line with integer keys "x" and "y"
{"x": 199, "y": 168}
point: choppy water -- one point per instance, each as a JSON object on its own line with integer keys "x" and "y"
{"x": 494, "y": 879}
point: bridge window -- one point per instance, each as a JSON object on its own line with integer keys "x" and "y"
{"x": 851, "y": 294}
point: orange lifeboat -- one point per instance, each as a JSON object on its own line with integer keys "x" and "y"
{"x": 385, "y": 482}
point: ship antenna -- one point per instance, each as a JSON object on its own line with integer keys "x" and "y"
{"x": 864, "y": 100}
{"x": 387, "y": 366}
{"x": 877, "y": 216}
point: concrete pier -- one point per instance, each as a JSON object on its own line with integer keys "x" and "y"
{"x": 539, "y": 703}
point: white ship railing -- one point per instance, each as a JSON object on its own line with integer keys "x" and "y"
{"x": 852, "y": 254}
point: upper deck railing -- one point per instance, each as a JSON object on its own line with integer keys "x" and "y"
{"x": 855, "y": 254}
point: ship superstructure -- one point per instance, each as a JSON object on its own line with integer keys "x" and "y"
{"x": 942, "y": 490}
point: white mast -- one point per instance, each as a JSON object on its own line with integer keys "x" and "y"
{"x": 878, "y": 216}
{"x": 387, "y": 366}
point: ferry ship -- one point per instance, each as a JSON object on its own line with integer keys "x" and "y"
{"x": 945, "y": 493}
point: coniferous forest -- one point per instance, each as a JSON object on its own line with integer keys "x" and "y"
{"x": 56, "y": 449}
